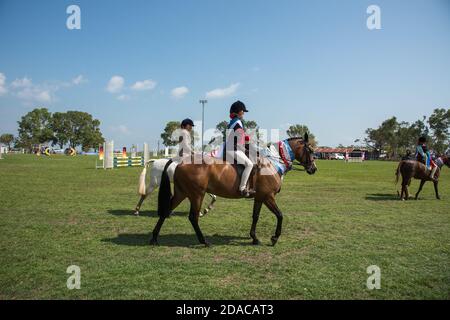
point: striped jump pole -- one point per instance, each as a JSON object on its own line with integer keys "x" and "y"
{"x": 111, "y": 159}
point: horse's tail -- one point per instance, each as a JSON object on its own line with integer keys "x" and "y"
{"x": 397, "y": 172}
{"x": 141, "y": 188}
{"x": 165, "y": 193}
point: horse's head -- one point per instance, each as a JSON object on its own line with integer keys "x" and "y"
{"x": 304, "y": 153}
{"x": 446, "y": 160}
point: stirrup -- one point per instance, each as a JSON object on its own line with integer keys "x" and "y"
{"x": 247, "y": 193}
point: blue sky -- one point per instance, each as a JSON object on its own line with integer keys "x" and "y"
{"x": 307, "y": 62}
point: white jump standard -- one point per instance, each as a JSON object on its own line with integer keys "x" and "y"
{"x": 110, "y": 159}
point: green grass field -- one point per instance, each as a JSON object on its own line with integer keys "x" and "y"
{"x": 60, "y": 211}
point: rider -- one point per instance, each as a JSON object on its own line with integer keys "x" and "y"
{"x": 235, "y": 143}
{"x": 422, "y": 150}
{"x": 185, "y": 141}
{"x": 408, "y": 155}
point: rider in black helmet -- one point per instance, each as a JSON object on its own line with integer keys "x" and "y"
{"x": 236, "y": 143}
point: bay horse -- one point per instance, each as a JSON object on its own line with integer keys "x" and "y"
{"x": 193, "y": 181}
{"x": 415, "y": 169}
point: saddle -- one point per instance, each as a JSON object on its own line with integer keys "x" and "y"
{"x": 252, "y": 179}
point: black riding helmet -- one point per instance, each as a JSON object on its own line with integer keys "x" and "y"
{"x": 187, "y": 121}
{"x": 237, "y": 107}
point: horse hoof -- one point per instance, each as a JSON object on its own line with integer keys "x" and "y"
{"x": 207, "y": 244}
{"x": 136, "y": 213}
{"x": 154, "y": 242}
{"x": 256, "y": 242}
{"x": 274, "y": 240}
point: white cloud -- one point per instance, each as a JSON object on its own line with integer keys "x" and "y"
{"x": 22, "y": 83}
{"x": 179, "y": 92}
{"x": 3, "y": 89}
{"x": 78, "y": 80}
{"x": 122, "y": 129}
{"x": 123, "y": 97}
{"x": 31, "y": 93}
{"x": 35, "y": 94}
{"x": 115, "y": 84}
{"x": 223, "y": 92}
{"x": 144, "y": 85}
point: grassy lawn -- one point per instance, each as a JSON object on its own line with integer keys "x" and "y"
{"x": 60, "y": 211}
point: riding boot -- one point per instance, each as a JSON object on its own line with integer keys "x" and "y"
{"x": 433, "y": 171}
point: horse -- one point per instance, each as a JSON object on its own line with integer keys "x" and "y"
{"x": 155, "y": 180}
{"x": 415, "y": 169}
{"x": 192, "y": 181}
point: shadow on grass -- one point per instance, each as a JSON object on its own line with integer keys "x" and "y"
{"x": 382, "y": 197}
{"x": 176, "y": 240}
{"x": 147, "y": 213}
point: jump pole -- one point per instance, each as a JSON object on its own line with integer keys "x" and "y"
{"x": 110, "y": 160}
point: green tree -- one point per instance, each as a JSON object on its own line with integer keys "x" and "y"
{"x": 166, "y": 136}
{"x": 7, "y": 138}
{"x": 384, "y": 138}
{"x": 81, "y": 130}
{"x": 35, "y": 128}
{"x": 299, "y": 130}
{"x": 61, "y": 127}
{"x": 223, "y": 125}
{"x": 252, "y": 125}
{"x": 439, "y": 122}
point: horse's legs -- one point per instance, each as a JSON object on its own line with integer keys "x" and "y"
{"x": 211, "y": 205}
{"x": 174, "y": 202}
{"x": 402, "y": 192}
{"x": 422, "y": 182}
{"x": 271, "y": 204}
{"x": 256, "y": 210}
{"x": 138, "y": 206}
{"x": 196, "y": 204}
{"x": 405, "y": 183}
{"x": 154, "y": 240}
{"x": 150, "y": 189}
{"x": 407, "y": 190}
{"x": 436, "y": 190}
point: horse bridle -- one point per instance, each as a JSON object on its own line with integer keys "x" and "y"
{"x": 307, "y": 154}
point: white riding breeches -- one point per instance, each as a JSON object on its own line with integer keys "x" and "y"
{"x": 243, "y": 159}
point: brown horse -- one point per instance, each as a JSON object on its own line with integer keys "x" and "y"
{"x": 192, "y": 181}
{"x": 415, "y": 169}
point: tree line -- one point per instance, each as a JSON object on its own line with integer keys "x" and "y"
{"x": 296, "y": 130}
{"x": 394, "y": 137}
{"x": 71, "y": 128}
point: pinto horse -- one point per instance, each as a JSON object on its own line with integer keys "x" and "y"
{"x": 155, "y": 180}
{"x": 193, "y": 181}
{"x": 415, "y": 169}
